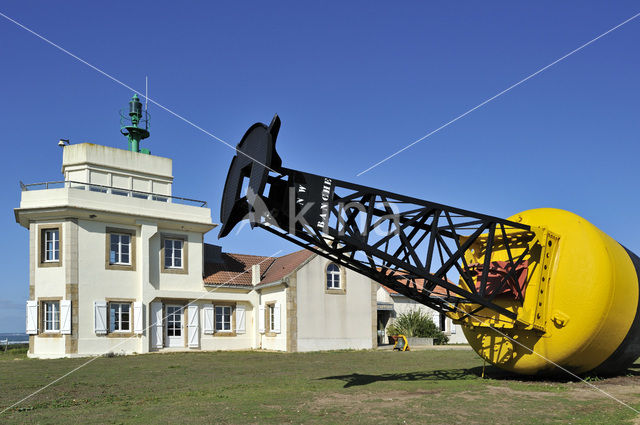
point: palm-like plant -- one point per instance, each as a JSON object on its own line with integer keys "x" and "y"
{"x": 417, "y": 324}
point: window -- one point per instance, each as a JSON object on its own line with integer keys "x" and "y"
{"x": 120, "y": 249}
{"x": 173, "y": 253}
{"x": 50, "y": 243}
{"x": 119, "y": 192}
{"x": 174, "y": 320}
{"x": 333, "y": 276}
{"x": 51, "y": 316}
{"x": 51, "y": 240}
{"x": 100, "y": 189}
{"x": 119, "y": 317}
{"x": 272, "y": 317}
{"x": 140, "y": 195}
{"x": 223, "y": 318}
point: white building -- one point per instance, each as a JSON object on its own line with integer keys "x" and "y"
{"x": 118, "y": 264}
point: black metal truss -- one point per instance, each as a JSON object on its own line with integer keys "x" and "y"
{"x": 406, "y": 244}
{"x": 420, "y": 244}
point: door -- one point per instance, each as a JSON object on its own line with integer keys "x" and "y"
{"x": 383, "y": 319}
{"x": 175, "y": 320}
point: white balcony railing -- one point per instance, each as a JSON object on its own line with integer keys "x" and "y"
{"x": 112, "y": 190}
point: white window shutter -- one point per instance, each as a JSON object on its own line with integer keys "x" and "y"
{"x": 100, "y": 317}
{"x": 276, "y": 318}
{"x": 32, "y": 317}
{"x": 193, "y": 326}
{"x": 138, "y": 318}
{"x": 453, "y": 327}
{"x": 240, "y": 319}
{"x": 156, "y": 325}
{"x": 261, "y": 319}
{"x": 65, "y": 317}
{"x": 207, "y": 311}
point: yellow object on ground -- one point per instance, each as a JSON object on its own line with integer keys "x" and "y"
{"x": 580, "y": 308}
{"x": 401, "y": 343}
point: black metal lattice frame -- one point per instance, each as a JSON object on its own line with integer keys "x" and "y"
{"x": 423, "y": 243}
{"x": 432, "y": 228}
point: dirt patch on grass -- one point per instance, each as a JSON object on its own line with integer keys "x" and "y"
{"x": 506, "y": 391}
{"x": 370, "y": 401}
{"x": 625, "y": 388}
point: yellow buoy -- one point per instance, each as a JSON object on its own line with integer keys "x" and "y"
{"x": 580, "y": 308}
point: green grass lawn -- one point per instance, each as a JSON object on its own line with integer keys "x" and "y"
{"x": 435, "y": 387}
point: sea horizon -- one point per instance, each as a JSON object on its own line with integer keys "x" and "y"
{"x": 14, "y": 337}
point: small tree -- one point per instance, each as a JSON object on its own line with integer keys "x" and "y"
{"x": 417, "y": 324}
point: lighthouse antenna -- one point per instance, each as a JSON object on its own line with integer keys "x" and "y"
{"x": 146, "y": 92}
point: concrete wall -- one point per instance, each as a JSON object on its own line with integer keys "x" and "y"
{"x": 49, "y": 283}
{"x": 98, "y": 283}
{"x": 278, "y": 341}
{"x": 191, "y": 281}
{"x": 331, "y": 321}
{"x": 238, "y": 341}
{"x": 107, "y": 166}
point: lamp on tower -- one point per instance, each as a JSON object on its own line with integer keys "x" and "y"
{"x": 135, "y": 126}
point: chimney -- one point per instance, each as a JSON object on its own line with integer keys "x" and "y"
{"x": 255, "y": 274}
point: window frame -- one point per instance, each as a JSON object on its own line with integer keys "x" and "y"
{"x": 118, "y": 254}
{"x": 342, "y": 281}
{"x": 120, "y": 334}
{"x": 42, "y": 230}
{"x": 184, "y": 269}
{"x": 173, "y": 249}
{"x": 269, "y": 312}
{"x": 223, "y": 322}
{"x": 272, "y": 317}
{"x": 111, "y": 231}
{"x": 119, "y": 315}
{"x": 232, "y": 318}
{"x": 53, "y": 321}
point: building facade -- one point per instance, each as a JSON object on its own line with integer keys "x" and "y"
{"x": 118, "y": 264}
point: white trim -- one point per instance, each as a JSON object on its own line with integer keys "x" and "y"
{"x": 55, "y": 309}
{"x": 207, "y": 312}
{"x": 65, "y": 317}
{"x": 193, "y": 326}
{"x": 118, "y": 314}
{"x": 223, "y": 307}
{"x": 276, "y": 318}
{"x": 157, "y": 334}
{"x": 100, "y": 317}
{"x": 173, "y": 251}
{"x": 138, "y": 318}
{"x": 119, "y": 252}
{"x": 240, "y": 319}
{"x": 32, "y": 317}
{"x": 261, "y": 319}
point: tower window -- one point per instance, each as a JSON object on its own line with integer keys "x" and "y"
{"x": 173, "y": 253}
{"x": 50, "y": 245}
{"x": 120, "y": 249}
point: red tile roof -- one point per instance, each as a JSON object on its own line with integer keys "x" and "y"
{"x": 420, "y": 284}
{"x": 235, "y": 269}
{"x": 283, "y": 266}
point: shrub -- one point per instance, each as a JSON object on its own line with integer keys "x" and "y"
{"x": 418, "y": 324}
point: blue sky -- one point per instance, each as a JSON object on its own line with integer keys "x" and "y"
{"x": 353, "y": 82}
